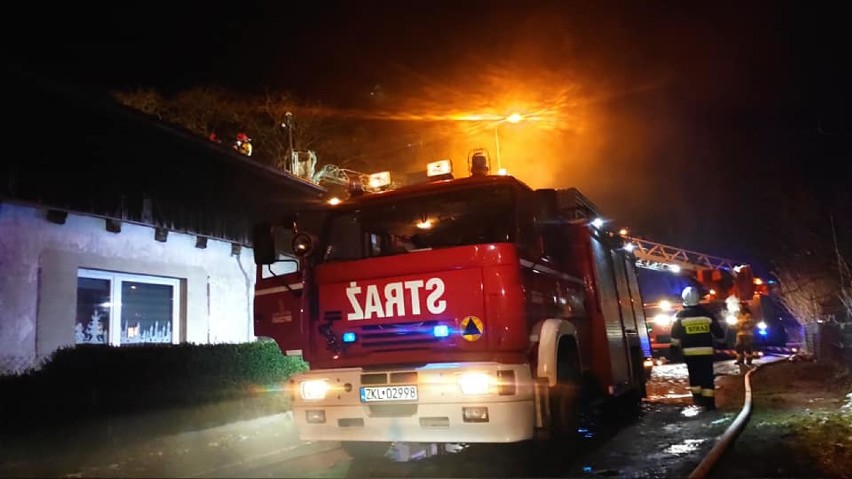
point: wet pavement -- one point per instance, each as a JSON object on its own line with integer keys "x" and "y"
{"x": 668, "y": 439}
{"x": 223, "y": 451}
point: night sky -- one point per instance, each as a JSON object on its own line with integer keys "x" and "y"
{"x": 681, "y": 120}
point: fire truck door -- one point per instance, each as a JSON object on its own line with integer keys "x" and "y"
{"x": 278, "y": 311}
{"x": 629, "y": 320}
{"x": 615, "y": 335}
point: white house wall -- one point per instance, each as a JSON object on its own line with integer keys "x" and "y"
{"x": 39, "y": 261}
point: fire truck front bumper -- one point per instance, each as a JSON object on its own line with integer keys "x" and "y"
{"x": 469, "y": 402}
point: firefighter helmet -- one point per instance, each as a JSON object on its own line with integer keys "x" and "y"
{"x": 242, "y": 137}
{"x": 690, "y": 296}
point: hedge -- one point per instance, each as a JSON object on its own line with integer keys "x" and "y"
{"x": 86, "y": 381}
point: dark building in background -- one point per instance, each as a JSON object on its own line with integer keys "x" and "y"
{"x": 116, "y": 228}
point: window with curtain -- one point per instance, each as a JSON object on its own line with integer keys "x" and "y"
{"x": 120, "y": 308}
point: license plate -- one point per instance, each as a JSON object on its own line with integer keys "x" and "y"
{"x": 389, "y": 393}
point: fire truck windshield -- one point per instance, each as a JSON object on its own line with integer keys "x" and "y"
{"x": 422, "y": 222}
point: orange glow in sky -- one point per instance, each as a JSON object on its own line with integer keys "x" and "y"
{"x": 553, "y": 130}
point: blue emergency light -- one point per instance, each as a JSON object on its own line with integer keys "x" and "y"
{"x": 441, "y": 331}
{"x": 349, "y": 337}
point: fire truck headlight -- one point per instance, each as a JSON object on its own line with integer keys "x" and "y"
{"x": 472, "y": 384}
{"x": 731, "y": 319}
{"x": 302, "y": 244}
{"x": 314, "y": 389}
{"x": 662, "y": 320}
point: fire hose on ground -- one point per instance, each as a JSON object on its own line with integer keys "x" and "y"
{"x": 727, "y": 438}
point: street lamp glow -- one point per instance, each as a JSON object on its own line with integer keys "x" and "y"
{"x": 514, "y": 118}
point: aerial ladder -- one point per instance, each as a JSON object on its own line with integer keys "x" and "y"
{"x": 727, "y": 282}
{"x": 723, "y": 277}
{"x": 338, "y": 176}
{"x": 303, "y": 164}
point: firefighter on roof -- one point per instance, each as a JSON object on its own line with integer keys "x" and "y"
{"x": 243, "y": 144}
{"x": 693, "y": 331}
{"x": 745, "y": 336}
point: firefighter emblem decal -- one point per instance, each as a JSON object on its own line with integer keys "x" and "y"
{"x": 471, "y": 328}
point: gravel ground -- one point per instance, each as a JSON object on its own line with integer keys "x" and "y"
{"x": 801, "y": 424}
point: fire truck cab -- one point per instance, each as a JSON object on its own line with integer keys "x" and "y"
{"x": 454, "y": 311}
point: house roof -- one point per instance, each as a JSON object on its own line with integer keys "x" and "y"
{"x": 81, "y": 151}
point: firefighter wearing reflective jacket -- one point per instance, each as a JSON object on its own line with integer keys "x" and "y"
{"x": 745, "y": 336}
{"x": 693, "y": 330}
{"x": 243, "y": 144}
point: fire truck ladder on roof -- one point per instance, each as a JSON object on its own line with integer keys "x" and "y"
{"x": 658, "y": 256}
{"x": 339, "y": 176}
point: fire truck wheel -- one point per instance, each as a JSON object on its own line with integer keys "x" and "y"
{"x": 365, "y": 449}
{"x": 564, "y": 410}
{"x": 565, "y": 396}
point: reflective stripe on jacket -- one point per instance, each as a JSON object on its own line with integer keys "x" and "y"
{"x": 698, "y": 351}
{"x": 694, "y": 328}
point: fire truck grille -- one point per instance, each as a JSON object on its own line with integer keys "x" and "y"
{"x": 399, "y": 334}
{"x": 407, "y": 377}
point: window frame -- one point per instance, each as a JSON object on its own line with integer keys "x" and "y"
{"x": 369, "y": 241}
{"x": 116, "y": 279}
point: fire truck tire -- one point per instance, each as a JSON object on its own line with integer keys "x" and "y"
{"x": 564, "y": 410}
{"x": 565, "y": 396}
{"x": 631, "y": 405}
{"x": 365, "y": 449}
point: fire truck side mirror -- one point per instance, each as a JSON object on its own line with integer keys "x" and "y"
{"x": 303, "y": 244}
{"x": 263, "y": 244}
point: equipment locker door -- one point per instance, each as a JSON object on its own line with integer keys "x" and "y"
{"x": 278, "y": 311}
{"x": 605, "y": 278}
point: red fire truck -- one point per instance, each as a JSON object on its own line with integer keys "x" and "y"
{"x": 464, "y": 310}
